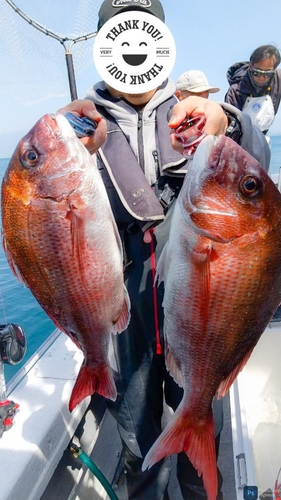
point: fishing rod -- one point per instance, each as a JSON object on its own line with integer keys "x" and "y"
{"x": 67, "y": 43}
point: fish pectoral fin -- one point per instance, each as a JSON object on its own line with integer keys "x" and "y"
{"x": 172, "y": 366}
{"x": 196, "y": 438}
{"x": 162, "y": 266}
{"x": 90, "y": 380}
{"x": 202, "y": 256}
{"x": 77, "y": 215}
{"x": 227, "y": 382}
{"x": 125, "y": 316}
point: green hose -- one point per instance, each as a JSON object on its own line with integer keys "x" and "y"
{"x": 79, "y": 453}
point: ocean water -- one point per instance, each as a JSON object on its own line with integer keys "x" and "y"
{"x": 17, "y": 304}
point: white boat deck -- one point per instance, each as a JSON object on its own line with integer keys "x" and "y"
{"x": 43, "y": 426}
{"x": 72, "y": 481}
{"x": 36, "y": 449}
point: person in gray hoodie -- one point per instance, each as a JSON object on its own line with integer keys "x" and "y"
{"x": 137, "y": 158}
{"x": 255, "y": 86}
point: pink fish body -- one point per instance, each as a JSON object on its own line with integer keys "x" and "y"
{"x": 61, "y": 240}
{"x": 222, "y": 273}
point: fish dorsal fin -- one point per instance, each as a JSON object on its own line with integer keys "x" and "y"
{"x": 124, "y": 318}
{"x": 172, "y": 366}
{"x": 228, "y": 381}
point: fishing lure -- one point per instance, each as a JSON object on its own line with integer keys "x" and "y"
{"x": 83, "y": 127}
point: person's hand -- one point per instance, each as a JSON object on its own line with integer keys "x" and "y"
{"x": 216, "y": 120}
{"x": 87, "y": 108}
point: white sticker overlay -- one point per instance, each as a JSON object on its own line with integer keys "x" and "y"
{"x": 134, "y": 52}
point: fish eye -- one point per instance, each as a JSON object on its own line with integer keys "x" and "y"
{"x": 30, "y": 157}
{"x": 250, "y": 186}
{"x": 143, "y": 43}
{"x": 125, "y": 43}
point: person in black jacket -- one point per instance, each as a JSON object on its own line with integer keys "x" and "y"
{"x": 255, "y": 86}
{"x": 137, "y": 158}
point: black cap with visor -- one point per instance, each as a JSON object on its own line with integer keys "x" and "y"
{"x": 110, "y": 8}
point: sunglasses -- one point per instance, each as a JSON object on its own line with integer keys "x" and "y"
{"x": 259, "y": 72}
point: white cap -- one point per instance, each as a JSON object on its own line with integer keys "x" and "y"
{"x": 195, "y": 81}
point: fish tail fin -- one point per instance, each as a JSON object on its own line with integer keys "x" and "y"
{"x": 196, "y": 439}
{"x": 93, "y": 379}
{"x": 124, "y": 318}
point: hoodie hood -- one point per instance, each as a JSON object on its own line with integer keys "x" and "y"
{"x": 128, "y": 119}
{"x": 236, "y": 72}
{"x": 117, "y": 106}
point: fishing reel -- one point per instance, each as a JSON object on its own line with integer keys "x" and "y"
{"x": 12, "y": 344}
{"x": 190, "y": 133}
{"x": 12, "y": 351}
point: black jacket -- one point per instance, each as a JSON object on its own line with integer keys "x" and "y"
{"x": 241, "y": 86}
{"x": 139, "y": 350}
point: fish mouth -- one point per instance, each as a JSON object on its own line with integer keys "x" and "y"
{"x": 51, "y": 121}
{"x": 198, "y": 172}
{"x": 48, "y": 121}
{"x": 56, "y": 124}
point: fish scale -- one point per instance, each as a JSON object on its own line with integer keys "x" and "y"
{"x": 225, "y": 239}
{"x": 61, "y": 240}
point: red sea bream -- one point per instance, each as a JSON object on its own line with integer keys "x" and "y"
{"x": 61, "y": 240}
{"x": 222, "y": 273}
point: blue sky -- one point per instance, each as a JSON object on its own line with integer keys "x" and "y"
{"x": 209, "y": 35}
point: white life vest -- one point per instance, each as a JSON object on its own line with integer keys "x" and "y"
{"x": 261, "y": 111}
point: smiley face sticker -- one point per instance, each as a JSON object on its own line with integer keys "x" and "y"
{"x": 134, "y": 52}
